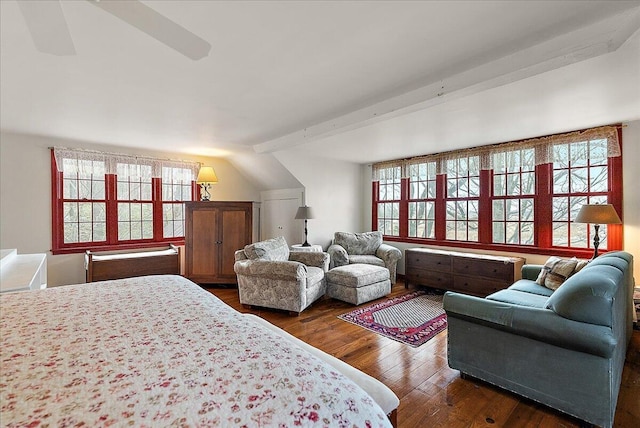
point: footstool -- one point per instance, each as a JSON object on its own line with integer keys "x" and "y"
{"x": 358, "y": 283}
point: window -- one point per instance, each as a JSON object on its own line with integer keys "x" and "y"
{"x": 135, "y": 201}
{"x": 516, "y": 196}
{"x": 462, "y": 197}
{"x": 176, "y": 188}
{"x": 107, "y": 201}
{"x": 513, "y": 203}
{"x": 83, "y": 201}
{"x": 422, "y": 197}
{"x": 580, "y": 176}
{"x": 388, "y": 197}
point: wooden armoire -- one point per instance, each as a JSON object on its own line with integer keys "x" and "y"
{"x": 214, "y": 231}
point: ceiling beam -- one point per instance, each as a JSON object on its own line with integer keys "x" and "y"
{"x": 600, "y": 38}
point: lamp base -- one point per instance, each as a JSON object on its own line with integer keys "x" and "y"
{"x": 306, "y": 244}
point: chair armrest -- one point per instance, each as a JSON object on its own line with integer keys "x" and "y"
{"x": 338, "y": 254}
{"x": 531, "y": 272}
{"x": 388, "y": 253}
{"x": 315, "y": 259}
{"x": 539, "y": 324}
{"x": 240, "y": 255}
{"x": 287, "y": 270}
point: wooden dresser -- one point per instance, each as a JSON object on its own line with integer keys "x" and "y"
{"x": 467, "y": 273}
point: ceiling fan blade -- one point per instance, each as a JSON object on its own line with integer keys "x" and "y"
{"x": 157, "y": 26}
{"x": 47, "y": 27}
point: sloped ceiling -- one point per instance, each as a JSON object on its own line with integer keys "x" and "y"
{"x": 309, "y": 75}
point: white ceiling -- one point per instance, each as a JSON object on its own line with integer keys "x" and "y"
{"x": 367, "y": 79}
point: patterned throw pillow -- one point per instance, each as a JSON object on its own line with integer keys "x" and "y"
{"x": 555, "y": 271}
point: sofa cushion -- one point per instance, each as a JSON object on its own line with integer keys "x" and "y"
{"x": 366, "y": 259}
{"x": 357, "y": 275}
{"x": 528, "y": 286}
{"x": 274, "y": 249}
{"x": 359, "y": 243}
{"x": 520, "y": 298}
{"x": 556, "y": 271}
{"x": 588, "y": 296}
{"x": 314, "y": 275}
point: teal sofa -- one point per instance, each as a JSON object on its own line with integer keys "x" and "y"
{"x": 564, "y": 348}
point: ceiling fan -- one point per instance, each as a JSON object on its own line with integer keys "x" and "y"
{"x": 50, "y": 33}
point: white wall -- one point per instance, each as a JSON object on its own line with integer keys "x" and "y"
{"x": 332, "y": 189}
{"x": 631, "y": 202}
{"x": 25, "y": 196}
{"x": 631, "y": 192}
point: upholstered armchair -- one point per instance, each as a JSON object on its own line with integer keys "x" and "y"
{"x": 271, "y": 276}
{"x": 367, "y": 248}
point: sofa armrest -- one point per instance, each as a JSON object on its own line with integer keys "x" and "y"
{"x": 315, "y": 259}
{"x": 282, "y": 270}
{"x": 531, "y": 272}
{"x": 539, "y": 324}
{"x": 338, "y": 255}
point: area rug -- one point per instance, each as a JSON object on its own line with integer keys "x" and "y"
{"x": 413, "y": 319}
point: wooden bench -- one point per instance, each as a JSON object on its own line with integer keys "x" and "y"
{"x": 118, "y": 264}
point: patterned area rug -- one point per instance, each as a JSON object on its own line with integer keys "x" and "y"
{"x": 413, "y": 319}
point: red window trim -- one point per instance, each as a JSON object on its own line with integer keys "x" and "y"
{"x": 542, "y": 215}
{"x": 58, "y": 245}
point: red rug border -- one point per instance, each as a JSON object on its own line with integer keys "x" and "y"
{"x": 415, "y": 336}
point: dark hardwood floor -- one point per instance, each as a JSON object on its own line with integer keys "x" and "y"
{"x": 431, "y": 394}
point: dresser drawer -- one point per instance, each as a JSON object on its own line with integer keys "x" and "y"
{"x": 477, "y": 286}
{"x": 428, "y": 261}
{"x": 429, "y": 278}
{"x": 482, "y": 267}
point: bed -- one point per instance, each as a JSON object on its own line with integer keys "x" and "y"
{"x": 161, "y": 351}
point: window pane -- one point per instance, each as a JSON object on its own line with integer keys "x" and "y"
{"x": 512, "y": 232}
{"x": 561, "y": 181}
{"x": 124, "y": 233}
{"x": 578, "y": 235}
{"x": 599, "y": 179}
{"x": 598, "y": 152}
{"x": 560, "y": 210}
{"x": 579, "y": 180}
{"x": 498, "y": 232}
{"x": 560, "y": 234}
{"x": 526, "y": 209}
{"x": 527, "y": 233}
{"x": 528, "y": 183}
{"x": 498, "y": 210}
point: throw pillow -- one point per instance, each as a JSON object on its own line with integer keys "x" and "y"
{"x": 580, "y": 265}
{"x": 555, "y": 271}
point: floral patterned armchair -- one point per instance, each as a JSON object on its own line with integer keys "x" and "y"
{"x": 367, "y": 248}
{"x": 271, "y": 276}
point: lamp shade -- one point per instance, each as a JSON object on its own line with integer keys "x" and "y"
{"x": 207, "y": 175}
{"x": 598, "y": 214}
{"x": 304, "y": 213}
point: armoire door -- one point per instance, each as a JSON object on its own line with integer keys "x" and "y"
{"x": 235, "y": 232}
{"x": 202, "y": 238}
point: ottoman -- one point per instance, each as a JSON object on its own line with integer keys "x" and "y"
{"x": 358, "y": 283}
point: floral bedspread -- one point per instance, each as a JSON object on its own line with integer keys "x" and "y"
{"x": 160, "y": 351}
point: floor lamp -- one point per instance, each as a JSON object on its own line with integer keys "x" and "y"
{"x": 304, "y": 213}
{"x": 597, "y": 214}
